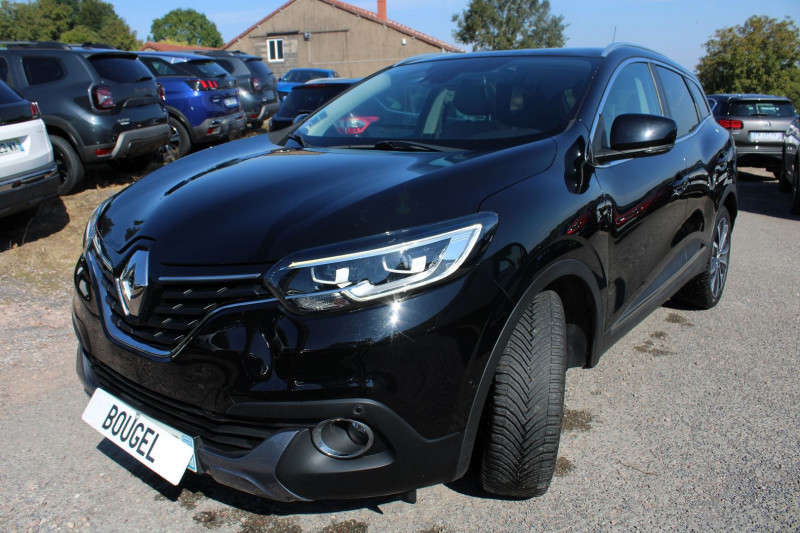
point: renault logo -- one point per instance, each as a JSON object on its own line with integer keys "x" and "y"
{"x": 132, "y": 284}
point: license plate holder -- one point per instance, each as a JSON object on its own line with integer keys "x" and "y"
{"x": 766, "y": 136}
{"x": 161, "y": 448}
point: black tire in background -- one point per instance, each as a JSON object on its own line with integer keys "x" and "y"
{"x": 796, "y": 188}
{"x": 70, "y": 168}
{"x": 526, "y": 404}
{"x": 705, "y": 290}
{"x": 179, "y": 141}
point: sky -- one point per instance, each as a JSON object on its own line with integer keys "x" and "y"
{"x": 676, "y": 28}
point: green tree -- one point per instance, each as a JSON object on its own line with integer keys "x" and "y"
{"x": 761, "y": 56}
{"x": 186, "y": 26}
{"x": 509, "y": 25}
{"x": 70, "y": 21}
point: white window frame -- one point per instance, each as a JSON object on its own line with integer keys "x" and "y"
{"x": 275, "y": 50}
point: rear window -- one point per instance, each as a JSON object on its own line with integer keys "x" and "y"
{"x": 159, "y": 67}
{"x": 258, "y": 66}
{"x": 7, "y": 95}
{"x": 203, "y": 68}
{"x": 237, "y": 68}
{"x": 41, "y": 69}
{"x": 760, "y": 108}
{"x": 120, "y": 69}
{"x": 306, "y": 100}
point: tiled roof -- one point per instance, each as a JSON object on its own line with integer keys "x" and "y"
{"x": 363, "y": 13}
{"x": 169, "y": 47}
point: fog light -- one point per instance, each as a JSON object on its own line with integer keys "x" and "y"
{"x": 342, "y": 438}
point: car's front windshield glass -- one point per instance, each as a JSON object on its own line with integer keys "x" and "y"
{"x": 469, "y": 103}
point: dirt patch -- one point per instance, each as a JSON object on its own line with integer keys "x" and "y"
{"x": 563, "y": 467}
{"x": 577, "y": 420}
{"x": 675, "y": 318}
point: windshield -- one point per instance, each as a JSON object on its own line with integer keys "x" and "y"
{"x": 305, "y": 99}
{"x": 760, "y": 108}
{"x": 466, "y": 103}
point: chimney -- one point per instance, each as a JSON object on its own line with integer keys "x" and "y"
{"x": 382, "y": 10}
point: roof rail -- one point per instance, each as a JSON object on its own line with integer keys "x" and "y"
{"x": 98, "y": 45}
{"x": 51, "y": 45}
{"x": 615, "y": 46}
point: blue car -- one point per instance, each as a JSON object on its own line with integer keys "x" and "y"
{"x": 201, "y": 97}
{"x": 297, "y": 76}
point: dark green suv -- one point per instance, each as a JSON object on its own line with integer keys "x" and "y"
{"x": 99, "y": 104}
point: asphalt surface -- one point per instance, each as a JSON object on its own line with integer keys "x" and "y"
{"x": 691, "y": 422}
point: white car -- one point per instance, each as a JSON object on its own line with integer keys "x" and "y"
{"x": 28, "y": 173}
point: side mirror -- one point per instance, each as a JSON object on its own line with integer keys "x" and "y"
{"x": 637, "y": 135}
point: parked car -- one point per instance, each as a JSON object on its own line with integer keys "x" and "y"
{"x": 757, "y": 123}
{"x": 201, "y": 97}
{"x": 257, "y": 90}
{"x": 399, "y": 286}
{"x": 297, "y": 76}
{"x": 27, "y": 170}
{"x": 790, "y": 179}
{"x": 99, "y": 104}
{"x": 305, "y": 98}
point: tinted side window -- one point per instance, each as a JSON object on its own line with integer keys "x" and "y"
{"x": 681, "y": 106}
{"x": 4, "y": 69}
{"x": 120, "y": 69}
{"x": 699, "y": 100}
{"x": 40, "y": 69}
{"x": 159, "y": 67}
{"x": 632, "y": 91}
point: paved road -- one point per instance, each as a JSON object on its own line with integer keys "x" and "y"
{"x": 692, "y": 422}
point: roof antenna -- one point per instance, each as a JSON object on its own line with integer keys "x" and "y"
{"x": 614, "y": 37}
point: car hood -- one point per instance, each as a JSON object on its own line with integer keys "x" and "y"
{"x": 252, "y": 202}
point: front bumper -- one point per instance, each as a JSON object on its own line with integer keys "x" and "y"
{"x": 251, "y": 381}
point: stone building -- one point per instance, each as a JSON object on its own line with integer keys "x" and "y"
{"x": 330, "y": 34}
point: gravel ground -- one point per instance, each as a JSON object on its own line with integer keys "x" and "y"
{"x": 691, "y": 422}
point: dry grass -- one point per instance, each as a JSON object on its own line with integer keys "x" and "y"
{"x": 43, "y": 253}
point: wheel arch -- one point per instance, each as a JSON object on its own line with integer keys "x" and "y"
{"x": 577, "y": 287}
{"x": 61, "y": 128}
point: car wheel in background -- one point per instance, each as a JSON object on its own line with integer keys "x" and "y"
{"x": 70, "y": 168}
{"x": 796, "y": 188}
{"x": 705, "y": 290}
{"x": 526, "y": 404}
{"x": 784, "y": 181}
{"x": 179, "y": 141}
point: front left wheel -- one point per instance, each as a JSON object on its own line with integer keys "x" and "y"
{"x": 526, "y": 404}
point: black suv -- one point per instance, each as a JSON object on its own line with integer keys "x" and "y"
{"x": 399, "y": 286}
{"x": 757, "y": 123}
{"x": 257, "y": 89}
{"x": 98, "y": 104}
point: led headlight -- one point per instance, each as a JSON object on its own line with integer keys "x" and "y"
{"x": 342, "y": 275}
{"x": 91, "y": 226}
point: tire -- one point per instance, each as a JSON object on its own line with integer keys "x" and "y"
{"x": 705, "y": 290}
{"x": 526, "y": 404}
{"x": 70, "y": 168}
{"x": 179, "y": 141}
{"x": 796, "y": 189}
{"x": 784, "y": 184}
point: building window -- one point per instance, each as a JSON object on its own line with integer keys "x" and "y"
{"x": 275, "y": 47}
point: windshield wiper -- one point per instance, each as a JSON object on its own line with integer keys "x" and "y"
{"x": 409, "y": 146}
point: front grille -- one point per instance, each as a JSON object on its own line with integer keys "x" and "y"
{"x": 175, "y": 307}
{"x": 224, "y": 433}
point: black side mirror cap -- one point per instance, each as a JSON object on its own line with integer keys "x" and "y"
{"x": 637, "y": 135}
